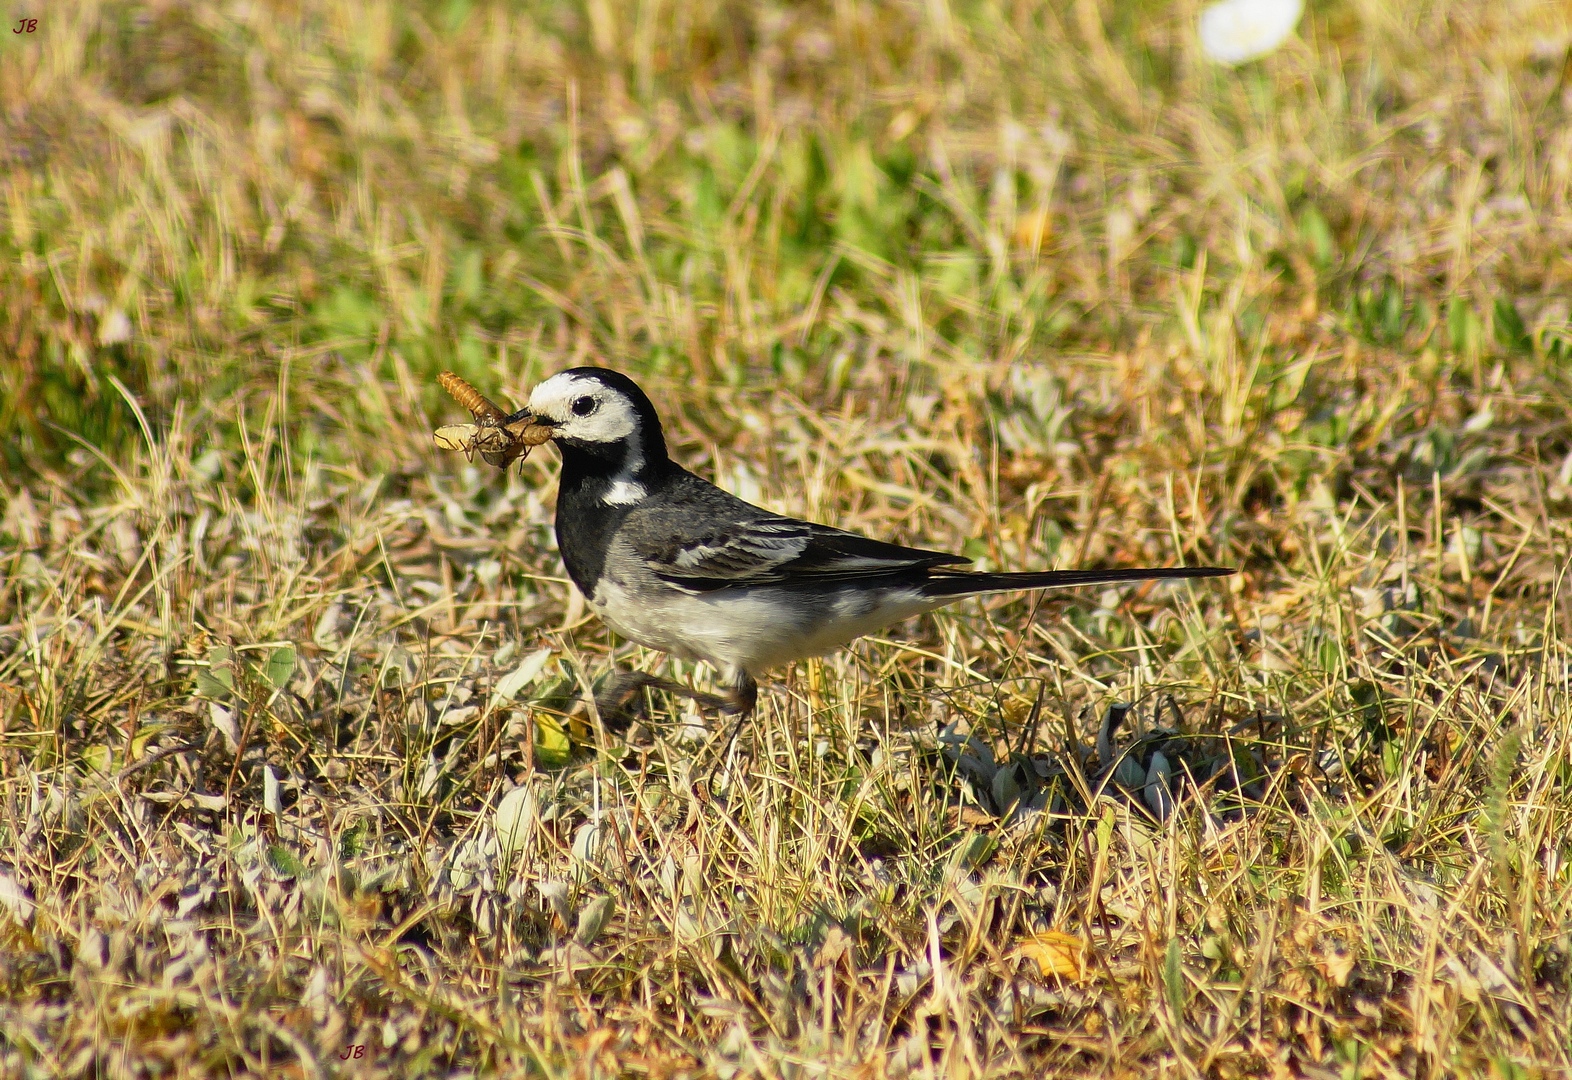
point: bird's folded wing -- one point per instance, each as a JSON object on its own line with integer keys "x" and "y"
{"x": 775, "y": 549}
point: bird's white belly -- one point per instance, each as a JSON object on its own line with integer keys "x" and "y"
{"x": 749, "y": 629}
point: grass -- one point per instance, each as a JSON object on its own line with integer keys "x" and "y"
{"x": 1030, "y": 281}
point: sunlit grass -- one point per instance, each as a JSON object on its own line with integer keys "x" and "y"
{"x": 1034, "y": 283}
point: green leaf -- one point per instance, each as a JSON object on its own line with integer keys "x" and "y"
{"x": 217, "y": 680}
{"x": 1463, "y": 326}
{"x": 1317, "y": 235}
{"x": 1051, "y": 537}
{"x": 1392, "y": 762}
{"x": 975, "y": 549}
{"x": 1391, "y": 315}
{"x": 99, "y": 758}
{"x": 977, "y": 849}
{"x": 212, "y": 686}
{"x": 455, "y": 13}
{"x": 1105, "y": 828}
{"x": 348, "y": 313}
{"x": 352, "y": 841}
{"x": 144, "y": 735}
{"x": 553, "y": 747}
{"x": 1173, "y": 981}
{"x": 280, "y": 666}
{"x": 283, "y": 862}
{"x": 1510, "y": 331}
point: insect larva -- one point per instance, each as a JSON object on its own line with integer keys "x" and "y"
{"x": 499, "y": 440}
{"x": 480, "y": 406}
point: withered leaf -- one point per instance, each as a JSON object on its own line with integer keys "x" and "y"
{"x": 1056, "y": 953}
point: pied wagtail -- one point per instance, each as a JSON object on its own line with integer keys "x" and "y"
{"x": 671, "y": 561}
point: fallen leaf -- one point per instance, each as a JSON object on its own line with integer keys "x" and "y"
{"x": 1056, "y": 953}
{"x": 515, "y": 819}
{"x": 1337, "y": 965}
{"x": 270, "y": 791}
{"x": 223, "y": 721}
{"x": 593, "y": 918}
{"x": 529, "y": 669}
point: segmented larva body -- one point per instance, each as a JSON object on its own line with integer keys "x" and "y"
{"x": 497, "y": 439}
{"x": 479, "y": 405}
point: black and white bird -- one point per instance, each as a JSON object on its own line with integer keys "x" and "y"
{"x": 671, "y": 561}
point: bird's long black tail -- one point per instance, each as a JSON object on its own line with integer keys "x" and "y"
{"x": 962, "y": 583}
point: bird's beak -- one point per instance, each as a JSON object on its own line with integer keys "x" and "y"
{"x": 529, "y": 429}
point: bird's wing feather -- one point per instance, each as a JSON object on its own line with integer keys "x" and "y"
{"x": 770, "y": 549}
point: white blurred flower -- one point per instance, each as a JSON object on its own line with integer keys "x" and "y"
{"x": 114, "y": 328}
{"x": 1235, "y": 31}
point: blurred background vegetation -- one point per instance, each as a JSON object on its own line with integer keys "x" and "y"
{"x": 212, "y": 201}
{"x": 1031, "y": 280}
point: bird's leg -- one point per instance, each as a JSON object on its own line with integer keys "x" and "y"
{"x": 741, "y": 701}
{"x": 744, "y": 695}
{"x": 614, "y": 700}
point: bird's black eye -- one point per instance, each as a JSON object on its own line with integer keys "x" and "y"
{"x": 583, "y": 406}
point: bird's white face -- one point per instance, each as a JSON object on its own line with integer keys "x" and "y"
{"x": 585, "y": 410}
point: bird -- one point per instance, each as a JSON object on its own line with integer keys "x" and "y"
{"x": 673, "y": 562}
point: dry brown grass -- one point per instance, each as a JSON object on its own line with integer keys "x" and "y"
{"x": 1024, "y": 280}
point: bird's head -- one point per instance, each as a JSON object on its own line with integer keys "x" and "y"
{"x": 599, "y": 413}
